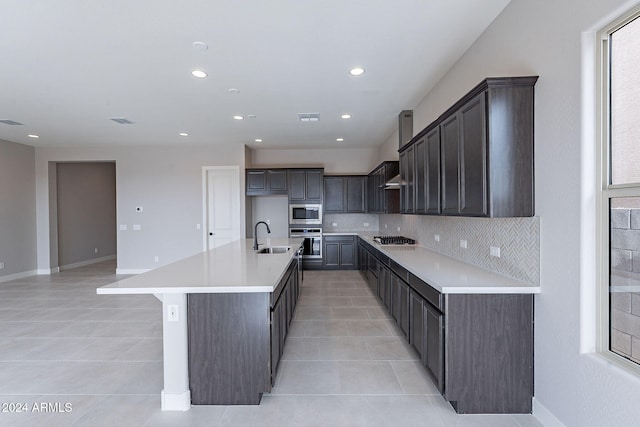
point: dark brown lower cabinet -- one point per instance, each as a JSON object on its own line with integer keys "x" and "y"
{"x": 478, "y": 348}
{"x": 339, "y": 252}
{"x": 489, "y": 353}
{"x": 236, "y": 341}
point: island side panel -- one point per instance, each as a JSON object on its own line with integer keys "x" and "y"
{"x": 229, "y": 348}
{"x": 489, "y": 353}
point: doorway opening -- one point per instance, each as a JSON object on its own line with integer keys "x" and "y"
{"x": 83, "y": 215}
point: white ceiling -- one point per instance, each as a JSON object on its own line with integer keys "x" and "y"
{"x": 67, "y": 66}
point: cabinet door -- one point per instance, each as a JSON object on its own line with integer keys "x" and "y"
{"x": 433, "y": 343}
{"x": 275, "y": 340}
{"x": 331, "y": 254}
{"x": 449, "y": 133}
{"x": 407, "y": 181}
{"x": 355, "y": 194}
{"x": 432, "y": 140}
{"x": 421, "y": 176}
{"x": 347, "y": 254}
{"x": 400, "y": 303}
{"x": 277, "y": 181}
{"x": 314, "y": 185}
{"x": 256, "y": 181}
{"x": 473, "y": 157}
{"x": 415, "y": 322}
{"x": 297, "y": 185}
{"x": 334, "y": 194}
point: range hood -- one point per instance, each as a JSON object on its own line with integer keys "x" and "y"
{"x": 393, "y": 184}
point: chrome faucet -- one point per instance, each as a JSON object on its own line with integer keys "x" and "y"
{"x": 255, "y": 234}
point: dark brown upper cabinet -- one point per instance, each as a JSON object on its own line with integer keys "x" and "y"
{"x": 380, "y": 198}
{"x": 345, "y": 194}
{"x": 476, "y": 159}
{"x": 266, "y": 182}
{"x": 305, "y": 185}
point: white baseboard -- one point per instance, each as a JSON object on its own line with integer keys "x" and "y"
{"x": 132, "y": 270}
{"x": 48, "y": 271}
{"x": 87, "y": 262}
{"x": 17, "y": 276}
{"x": 545, "y": 416}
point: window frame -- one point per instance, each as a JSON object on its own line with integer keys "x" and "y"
{"x": 606, "y": 191}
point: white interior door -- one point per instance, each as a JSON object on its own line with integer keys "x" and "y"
{"x": 222, "y": 205}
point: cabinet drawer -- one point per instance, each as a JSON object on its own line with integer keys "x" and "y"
{"x": 427, "y": 292}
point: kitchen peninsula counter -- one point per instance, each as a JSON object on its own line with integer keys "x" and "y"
{"x": 216, "y": 320}
{"x": 231, "y": 268}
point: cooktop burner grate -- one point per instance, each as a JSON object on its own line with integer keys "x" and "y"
{"x": 394, "y": 240}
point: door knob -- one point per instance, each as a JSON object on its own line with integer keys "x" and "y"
{"x": 210, "y": 234}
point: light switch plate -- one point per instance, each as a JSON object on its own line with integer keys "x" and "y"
{"x": 436, "y": 237}
{"x": 123, "y": 227}
{"x": 137, "y": 227}
{"x": 494, "y": 251}
{"x": 173, "y": 315}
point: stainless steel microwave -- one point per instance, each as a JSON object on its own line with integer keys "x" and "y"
{"x": 305, "y": 214}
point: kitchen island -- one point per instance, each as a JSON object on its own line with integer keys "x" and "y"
{"x": 216, "y": 320}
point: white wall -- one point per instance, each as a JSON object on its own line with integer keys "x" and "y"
{"x": 543, "y": 38}
{"x": 17, "y": 210}
{"x": 165, "y": 181}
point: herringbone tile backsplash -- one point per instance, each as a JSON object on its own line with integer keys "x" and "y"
{"x": 518, "y": 239}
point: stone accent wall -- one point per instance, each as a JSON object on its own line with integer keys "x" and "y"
{"x": 625, "y": 282}
{"x": 517, "y": 238}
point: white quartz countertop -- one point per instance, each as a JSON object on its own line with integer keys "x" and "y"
{"x": 231, "y": 268}
{"x": 449, "y": 275}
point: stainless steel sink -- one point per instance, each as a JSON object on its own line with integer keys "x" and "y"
{"x": 275, "y": 250}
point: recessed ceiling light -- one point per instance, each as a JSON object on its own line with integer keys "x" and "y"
{"x": 346, "y": 116}
{"x": 339, "y": 139}
{"x": 31, "y": 135}
{"x": 238, "y": 117}
{"x": 199, "y": 74}
{"x": 356, "y": 71}
{"x": 200, "y": 46}
{"x": 183, "y": 134}
{"x": 258, "y": 140}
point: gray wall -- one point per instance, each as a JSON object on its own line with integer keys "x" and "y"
{"x": 17, "y": 210}
{"x": 86, "y": 201}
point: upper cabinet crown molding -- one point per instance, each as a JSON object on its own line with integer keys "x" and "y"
{"x": 484, "y": 159}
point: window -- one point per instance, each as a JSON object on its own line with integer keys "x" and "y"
{"x": 619, "y": 202}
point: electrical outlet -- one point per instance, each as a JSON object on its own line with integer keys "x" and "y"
{"x": 436, "y": 237}
{"x": 1, "y": 265}
{"x": 156, "y": 258}
{"x": 173, "y": 315}
{"x": 198, "y": 226}
{"x": 366, "y": 224}
{"x": 385, "y": 226}
{"x": 95, "y": 250}
{"x": 334, "y": 224}
{"x": 494, "y": 251}
{"x": 398, "y": 228}
{"x": 268, "y": 222}
{"x": 137, "y": 227}
{"x": 463, "y": 244}
{"x": 123, "y": 227}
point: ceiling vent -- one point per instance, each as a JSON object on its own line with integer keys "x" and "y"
{"x": 10, "y": 122}
{"x": 121, "y": 120}
{"x": 309, "y": 117}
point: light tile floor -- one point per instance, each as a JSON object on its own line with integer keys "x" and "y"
{"x": 345, "y": 363}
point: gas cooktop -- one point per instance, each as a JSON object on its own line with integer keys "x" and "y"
{"x": 394, "y": 240}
